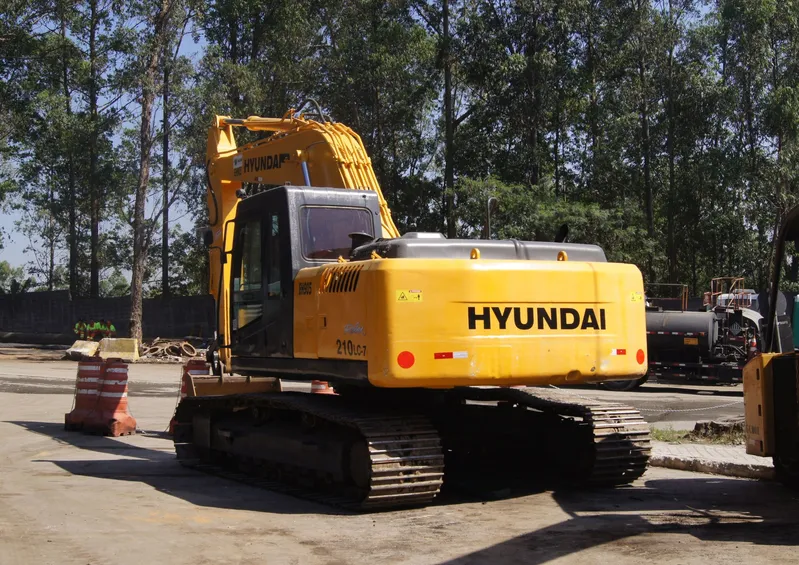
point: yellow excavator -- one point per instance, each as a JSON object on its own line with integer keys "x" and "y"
{"x": 445, "y": 355}
{"x": 771, "y": 380}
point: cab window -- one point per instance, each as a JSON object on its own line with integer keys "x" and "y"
{"x": 247, "y": 298}
{"x": 326, "y": 230}
{"x": 273, "y": 260}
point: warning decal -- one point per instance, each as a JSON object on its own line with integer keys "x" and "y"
{"x": 409, "y": 296}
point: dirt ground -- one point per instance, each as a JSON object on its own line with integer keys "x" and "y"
{"x": 69, "y": 498}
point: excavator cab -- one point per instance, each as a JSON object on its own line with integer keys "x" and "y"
{"x": 277, "y": 233}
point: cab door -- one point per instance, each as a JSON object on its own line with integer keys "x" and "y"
{"x": 278, "y": 308}
{"x": 248, "y": 289}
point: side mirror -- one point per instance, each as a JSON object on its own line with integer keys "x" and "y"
{"x": 360, "y": 238}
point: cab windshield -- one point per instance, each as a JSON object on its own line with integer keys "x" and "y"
{"x": 326, "y": 230}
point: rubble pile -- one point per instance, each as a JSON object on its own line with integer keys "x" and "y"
{"x": 169, "y": 350}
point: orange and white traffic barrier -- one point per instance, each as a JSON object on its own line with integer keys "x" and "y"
{"x": 90, "y": 374}
{"x": 192, "y": 367}
{"x": 321, "y": 387}
{"x": 111, "y": 416}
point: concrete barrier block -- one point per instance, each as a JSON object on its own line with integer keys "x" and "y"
{"x": 82, "y": 349}
{"x": 123, "y": 348}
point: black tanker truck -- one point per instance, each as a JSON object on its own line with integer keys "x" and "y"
{"x": 710, "y": 345}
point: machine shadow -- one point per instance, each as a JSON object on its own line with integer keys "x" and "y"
{"x": 160, "y": 469}
{"x": 709, "y": 509}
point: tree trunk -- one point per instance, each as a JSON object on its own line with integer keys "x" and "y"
{"x": 645, "y": 150}
{"x": 51, "y": 240}
{"x": 557, "y": 151}
{"x": 165, "y": 221}
{"x": 94, "y": 196}
{"x": 72, "y": 236}
{"x": 672, "y": 200}
{"x": 141, "y": 236}
{"x": 593, "y": 108}
{"x": 533, "y": 111}
{"x": 233, "y": 38}
{"x": 449, "y": 126}
{"x": 558, "y": 115}
{"x": 644, "y": 116}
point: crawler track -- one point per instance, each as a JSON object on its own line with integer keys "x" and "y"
{"x": 393, "y": 460}
{"x": 614, "y": 443}
{"x": 365, "y": 451}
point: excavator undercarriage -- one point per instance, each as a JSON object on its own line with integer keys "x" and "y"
{"x": 365, "y": 450}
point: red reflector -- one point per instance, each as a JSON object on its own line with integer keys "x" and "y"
{"x": 406, "y": 359}
{"x": 443, "y": 355}
{"x": 640, "y": 356}
{"x": 621, "y": 352}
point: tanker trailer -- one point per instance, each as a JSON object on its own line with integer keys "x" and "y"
{"x": 680, "y": 337}
{"x": 710, "y": 346}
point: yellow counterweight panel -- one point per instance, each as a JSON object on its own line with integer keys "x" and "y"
{"x": 759, "y": 405}
{"x": 330, "y": 309}
{"x": 444, "y": 323}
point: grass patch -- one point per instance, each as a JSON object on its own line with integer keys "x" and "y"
{"x": 669, "y": 435}
{"x": 733, "y": 436}
{"x": 726, "y": 437}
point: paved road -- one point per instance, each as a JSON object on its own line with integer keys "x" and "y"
{"x": 679, "y": 406}
{"x": 675, "y": 406}
{"x": 69, "y": 498}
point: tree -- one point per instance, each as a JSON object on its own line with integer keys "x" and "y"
{"x": 666, "y": 131}
{"x": 114, "y": 285}
{"x": 379, "y": 77}
{"x": 101, "y": 40}
{"x": 150, "y": 51}
{"x": 41, "y": 225}
{"x": 189, "y": 260}
{"x": 12, "y": 279}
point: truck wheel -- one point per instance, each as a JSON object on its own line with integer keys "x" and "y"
{"x": 622, "y": 386}
{"x": 787, "y": 471}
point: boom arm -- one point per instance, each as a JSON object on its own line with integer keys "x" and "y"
{"x": 299, "y": 152}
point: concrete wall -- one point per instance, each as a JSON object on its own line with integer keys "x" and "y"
{"x": 56, "y": 313}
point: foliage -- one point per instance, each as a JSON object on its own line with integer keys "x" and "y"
{"x": 189, "y": 260}
{"x": 12, "y": 279}
{"x": 666, "y": 132}
{"x": 116, "y": 284}
{"x": 537, "y": 213}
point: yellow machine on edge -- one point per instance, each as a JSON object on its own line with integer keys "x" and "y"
{"x": 431, "y": 344}
{"x": 771, "y": 380}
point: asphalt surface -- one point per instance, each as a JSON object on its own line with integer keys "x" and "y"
{"x": 663, "y": 405}
{"x": 69, "y": 498}
{"x": 678, "y": 406}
